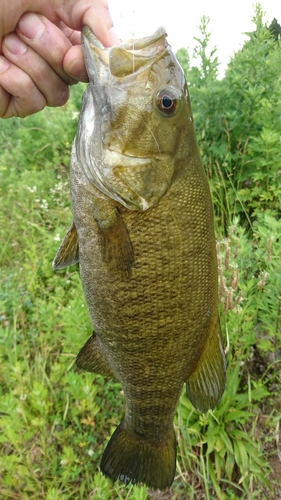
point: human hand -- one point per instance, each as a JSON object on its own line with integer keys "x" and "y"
{"x": 41, "y": 54}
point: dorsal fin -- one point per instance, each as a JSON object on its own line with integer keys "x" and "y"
{"x": 206, "y": 384}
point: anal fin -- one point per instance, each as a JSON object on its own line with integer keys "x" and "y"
{"x": 68, "y": 252}
{"x": 91, "y": 359}
{"x": 206, "y": 384}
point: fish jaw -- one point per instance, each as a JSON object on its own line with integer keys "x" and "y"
{"x": 117, "y": 144}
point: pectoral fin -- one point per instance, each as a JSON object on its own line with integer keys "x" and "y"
{"x": 206, "y": 384}
{"x": 68, "y": 252}
{"x": 91, "y": 359}
{"x": 115, "y": 244}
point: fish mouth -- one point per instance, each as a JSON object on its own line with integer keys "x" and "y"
{"x": 131, "y": 44}
{"x": 123, "y": 60}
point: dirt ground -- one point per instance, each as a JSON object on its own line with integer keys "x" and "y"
{"x": 275, "y": 476}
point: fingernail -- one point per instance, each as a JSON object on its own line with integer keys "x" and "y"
{"x": 14, "y": 44}
{"x": 76, "y": 69}
{"x": 31, "y": 26}
{"x": 113, "y": 37}
{"x": 4, "y": 64}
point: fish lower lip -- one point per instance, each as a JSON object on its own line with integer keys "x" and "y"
{"x": 115, "y": 157}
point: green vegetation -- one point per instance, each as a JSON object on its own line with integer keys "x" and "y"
{"x": 55, "y": 420}
{"x": 238, "y": 123}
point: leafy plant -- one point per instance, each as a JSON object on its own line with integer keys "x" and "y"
{"x": 238, "y": 123}
{"x": 223, "y": 440}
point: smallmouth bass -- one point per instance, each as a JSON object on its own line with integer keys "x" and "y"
{"x": 143, "y": 234}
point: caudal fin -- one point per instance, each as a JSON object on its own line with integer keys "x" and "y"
{"x": 133, "y": 459}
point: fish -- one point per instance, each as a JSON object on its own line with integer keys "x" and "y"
{"x": 143, "y": 234}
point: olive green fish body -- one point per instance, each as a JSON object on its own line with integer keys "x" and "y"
{"x": 147, "y": 255}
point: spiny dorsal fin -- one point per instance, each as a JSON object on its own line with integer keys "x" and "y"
{"x": 206, "y": 384}
{"x": 68, "y": 252}
{"x": 91, "y": 359}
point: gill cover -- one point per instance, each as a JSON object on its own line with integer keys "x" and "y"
{"x": 130, "y": 113}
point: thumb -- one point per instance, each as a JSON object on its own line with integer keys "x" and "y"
{"x": 94, "y": 13}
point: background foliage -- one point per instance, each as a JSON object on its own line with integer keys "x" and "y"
{"x": 54, "y": 420}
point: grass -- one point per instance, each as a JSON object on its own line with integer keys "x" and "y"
{"x": 54, "y": 420}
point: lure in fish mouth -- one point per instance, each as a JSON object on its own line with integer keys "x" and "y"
{"x": 143, "y": 234}
{"x": 121, "y": 156}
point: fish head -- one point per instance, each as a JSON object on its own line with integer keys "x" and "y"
{"x": 135, "y": 119}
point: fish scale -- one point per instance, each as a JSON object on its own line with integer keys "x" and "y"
{"x": 144, "y": 236}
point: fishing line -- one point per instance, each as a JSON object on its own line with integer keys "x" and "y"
{"x": 150, "y": 131}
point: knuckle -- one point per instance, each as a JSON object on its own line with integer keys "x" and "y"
{"x": 30, "y": 101}
{"x": 19, "y": 95}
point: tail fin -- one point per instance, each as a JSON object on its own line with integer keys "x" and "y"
{"x": 133, "y": 459}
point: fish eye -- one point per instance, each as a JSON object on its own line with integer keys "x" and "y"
{"x": 167, "y": 102}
